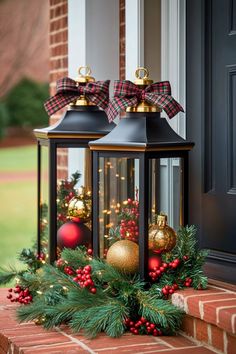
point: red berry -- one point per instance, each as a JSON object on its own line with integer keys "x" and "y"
{"x": 10, "y": 290}
{"x": 155, "y": 332}
{"x": 152, "y": 325}
{"x": 93, "y": 290}
{"x": 171, "y": 291}
{"x": 90, "y": 251}
{"x": 165, "y": 291}
{"x": 143, "y": 320}
{"x": 88, "y": 268}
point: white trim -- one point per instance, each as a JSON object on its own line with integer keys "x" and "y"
{"x": 134, "y": 22}
{"x": 173, "y": 50}
{"x": 76, "y": 36}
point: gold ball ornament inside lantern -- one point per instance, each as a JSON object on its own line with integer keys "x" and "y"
{"x": 79, "y": 209}
{"x": 124, "y": 256}
{"x": 161, "y": 237}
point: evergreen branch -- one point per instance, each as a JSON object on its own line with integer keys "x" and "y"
{"x": 76, "y": 258}
{"x": 160, "y": 312}
{"x": 107, "y": 317}
{"x": 6, "y": 275}
{"x": 31, "y": 312}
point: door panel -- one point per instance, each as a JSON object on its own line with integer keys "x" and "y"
{"x": 214, "y": 200}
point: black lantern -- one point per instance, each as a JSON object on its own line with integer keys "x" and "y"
{"x": 65, "y": 170}
{"x": 140, "y": 170}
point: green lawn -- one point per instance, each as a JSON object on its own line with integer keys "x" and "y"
{"x": 17, "y": 203}
{"x": 18, "y": 159}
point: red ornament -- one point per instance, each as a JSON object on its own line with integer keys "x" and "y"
{"x": 154, "y": 261}
{"x": 73, "y": 234}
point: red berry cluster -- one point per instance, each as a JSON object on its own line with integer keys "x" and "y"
{"x": 83, "y": 278}
{"x": 157, "y": 272}
{"x": 188, "y": 282}
{"x": 22, "y": 296}
{"x": 169, "y": 289}
{"x": 69, "y": 197}
{"x": 129, "y": 226}
{"x": 41, "y": 257}
{"x": 60, "y": 263}
{"x": 142, "y": 326}
{"x": 69, "y": 270}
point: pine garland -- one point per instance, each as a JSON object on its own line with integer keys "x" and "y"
{"x": 115, "y": 302}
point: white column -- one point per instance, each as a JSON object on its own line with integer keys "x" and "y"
{"x": 93, "y": 40}
{"x": 134, "y": 22}
{"x": 173, "y": 52}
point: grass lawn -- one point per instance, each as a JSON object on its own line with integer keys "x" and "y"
{"x": 18, "y": 158}
{"x": 17, "y": 203}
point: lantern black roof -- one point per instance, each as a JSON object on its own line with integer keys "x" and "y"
{"x": 78, "y": 122}
{"x": 142, "y": 131}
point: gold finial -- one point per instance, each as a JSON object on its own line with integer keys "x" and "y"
{"x": 86, "y": 77}
{"x": 82, "y": 79}
{"x": 142, "y": 79}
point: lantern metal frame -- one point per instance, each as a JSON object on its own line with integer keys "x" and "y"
{"x": 142, "y": 136}
{"x": 78, "y": 126}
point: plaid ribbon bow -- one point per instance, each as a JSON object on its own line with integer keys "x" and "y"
{"x": 127, "y": 94}
{"x": 68, "y": 90}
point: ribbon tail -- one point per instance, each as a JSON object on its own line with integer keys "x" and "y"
{"x": 166, "y": 102}
{"x": 55, "y": 103}
{"x": 117, "y": 105}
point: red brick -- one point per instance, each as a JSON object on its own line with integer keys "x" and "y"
{"x": 40, "y": 339}
{"x": 177, "y": 341}
{"x": 201, "y": 330}
{"x": 103, "y": 341}
{"x": 57, "y": 349}
{"x": 188, "y": 325}
{"x": 210, "y": 309}
{"x": 231, "y": 344}
{"x": 194, "y": 303}
{"x": 227, "y": 319}
{"x": 217, "y": 338}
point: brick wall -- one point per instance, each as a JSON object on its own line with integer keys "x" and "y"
{"x": 58, "y": 45}
{"x": 122, "y": 39}
{"x": 58, "y": 33}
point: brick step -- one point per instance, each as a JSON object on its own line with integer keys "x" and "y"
{"x": 27, "y": 338}
{"x": 211, "y": 316}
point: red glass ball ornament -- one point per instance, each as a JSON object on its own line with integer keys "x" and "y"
{"x": 73, "y": 234}
{"x": 154, "y": 261}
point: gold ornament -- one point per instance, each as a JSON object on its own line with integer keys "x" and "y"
{"x": 124, "y": 256}
{"x": 80, "y": 208}
{"x": 161, "y": 237}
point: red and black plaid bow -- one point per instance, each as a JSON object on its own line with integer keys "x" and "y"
{"x": 127, "y": 94}
{"x": 68, "y": 90}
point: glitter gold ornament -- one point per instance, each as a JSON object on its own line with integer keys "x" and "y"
{"x": 161, "y": 237}
{"x": 79, "y": 209}
{"x": 124, "y": 256}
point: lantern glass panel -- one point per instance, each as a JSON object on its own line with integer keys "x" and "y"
{"x": 70, "y": 161}
{"x": 118, "y": 201}
{"x": 166, "y": 189}
{"x": 44, "y": 202}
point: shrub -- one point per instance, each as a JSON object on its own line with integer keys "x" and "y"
{"x": 24, "y": 103}
{"x": 4, "y": 118}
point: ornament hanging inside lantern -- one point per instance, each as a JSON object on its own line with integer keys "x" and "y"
{"x": 139, "y": 168}
{"x": 64, "y": 160}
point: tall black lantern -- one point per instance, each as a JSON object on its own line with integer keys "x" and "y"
{"x": 65, "y": 164}
{"x": 140, "y": 169}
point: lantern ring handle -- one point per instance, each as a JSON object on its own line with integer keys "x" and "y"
{"x": 139, "y": 71}
{"x": 87, "y": 71}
